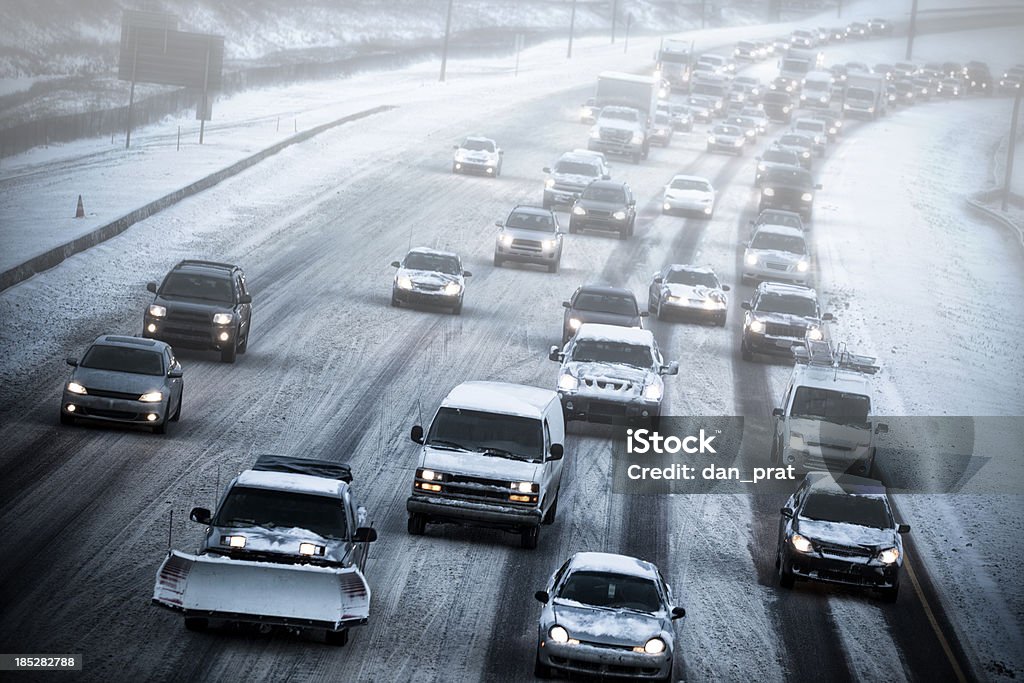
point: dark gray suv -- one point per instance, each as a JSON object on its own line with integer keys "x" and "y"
{"x": 600, "y": 304}
{"x": 605, "y": 205}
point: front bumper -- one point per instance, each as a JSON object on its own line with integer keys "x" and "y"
{"x": 805, "y": 209}
{"x": 851, "y": 572}
{"x": 606, "y": 409}
{"x": 481, "y": 167}
{"x": 543, "y": 257}
{"x": 686, "y": 308}
{"x": 604, "y": 661}
{"x": 120, "y": 410}
{"x": 440, "y": 509}
{"x": 770, "y": 344}
{"x": 763, "y": 272}
{"x": 181, "y": 334}
{"x": 615, "y": 147}
{"x": 670, "y": 205}
{"x": 727, "y": 147}
{"x": 598, "y": 222}
{"x": 425, "y": 297}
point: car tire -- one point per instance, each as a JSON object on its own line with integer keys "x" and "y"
{"x": 66, "y": 419}
{"x": 161, "y": 428}
{"x": 528, "y": 539}
{"x": 632, "y": 226}
{"x": 336, "y": 638}
{"x": 546, "y": 204}
{"x": 457, "y": 308}
{"x": 624, "y": 233}
{"x": 244, "y": 346}
{"x": 497, "y": 262}
{"x": 745, "y": 351}
{"x": 417, "y": 524}
{"x": 549, "y": 516}
{"x": 394, "y": 300}
{"x": 177, "y": 413}
{"x": 229, "y": 354}
{"x": 667, "y": 678}
{"x": 786, "y": 578}
{"x": 721, "y": 320}
{"x": 455, "y": 171}
{"x": 542, "y": 671}
{"x": 636, "y": 158}
{"x": 196, "y": 624}
{"x": 890, "y": 595}
{"x": 659, "y": 313}
{"x": 572, "y": 227}
{"x": 651, "y": 308}
{"x": 553, "y": 268}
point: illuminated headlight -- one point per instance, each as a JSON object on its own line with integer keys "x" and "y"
{"x": 222, "y": 318}
{"x": 233, "y": 541}
{"x": 549, "y": 183}
{"x": 579, "y": 210}
{"x": 452, "y": 289}
{"x": 524, "y": 487}
{"x": 802, "y": 266}
{"x": 152, "y": 397}
{"x": 871, "y": 110}
{"x": 750, "y": 133}
{"x": 806, "y": 155}
{"x": 768, "y": 192}
{"x": 310, "y": 549}
{"x": 574, "y": 323}
{"x": 711, "y": 139}
{"x": 506, "y": 240}
{"x": 637, "y": 138}
{"x": 595, "y": 133}
{"x": 151, "y": 328}
{"x": 652, "y": 392}
{"x": 823, "y": 99}
{"x": 430, "y": 475}
{"x": 549, "y": 244}
{"x": 567, "y": 382}
{"x": 654, "y": 646}
{"x": 801, "y": 544}
{"x": 712, "y": 304}
{"x": 807, "y": 196}
{"x": 751, "y": 259}
{"x": 157, "y": 311}
{"x": 785, "y": 110}
{"x": 76, "y": 388}
{"x": 404, "y": 282}
{"x": 619, "y": 215}
{"x": 667, "y": 206}
{"x": 815, "y": 334}
{"x": 889, "y": 556}
{"x": 761, "y": 167}
{"x": 796, "y": 442}
{"x": 832, "y": 131}
{"x": 558, "y": 634}
{"x": 718, "y": 105}
{"x": 803, "y": 97}
{"x": 460, "y": 155}
{"x": 756, "y": 326}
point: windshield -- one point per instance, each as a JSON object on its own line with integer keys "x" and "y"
{"x": 790, "y": 177}
{"x": 797, "y": 65}
{"x": 661, "y": 118}
{"x": 794, "y": 141}
{"x": 859, "y": 94}
{"x": 789, "y": 305}
{"x": 519, "y": 438}
{"x": 692, "y": 278}
{"x": 438, "y": 263}
{"x": 478, "y": 145}
{"x": 605, "y": 194}
{"x": 781, "y": 156}
{"x": 122, "y": 359}
{"x": 776, "y": 242}
{"x": 576, "y": 168}
{"x": 778, "y": 218}
{"x": 812, "y": 126}
{"x": 711, "y": 89}
{"x": 189, "y": 286}
{"x": 859, "y": 510}
{"x": 250, "y": 506}
{"x": 726, "y": 130}
{"x": 777, "y": 98}
{"x": 618, "y": 113}
{"x": 619, "y": 353}
{"x": 674, "y": 57}
{"x": 530, "y": 221}
{"x": 690, "y": 184}
{"x": 605, "y": 303}
{"x": 615, "y": 591}
{"x": 833, "y": 406}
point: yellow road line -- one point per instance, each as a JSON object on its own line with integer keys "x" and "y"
{"x": 935, "y": 624}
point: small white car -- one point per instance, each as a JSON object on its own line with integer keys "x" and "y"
{"x": 724, "y": 138}
{"x": 478, "y": 155}
{"x": 429, "y": 277}
{"x": 777, "y": 253}
{"x": 688, "y": 193}
{"x": 690, "y": 291}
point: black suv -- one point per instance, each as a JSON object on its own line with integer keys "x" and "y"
{"x": 201, "y": 305}
{"x": 977, "y": 78}
{"x": 779, "y": 316}
{"x": 600, "y": 304}
{"x": 789, "y": 188}
{"x": 605, "y": 205}
{"x": 840, "y": 529}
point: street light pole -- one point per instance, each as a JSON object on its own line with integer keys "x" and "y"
{"x": 912, "y": 29}
{"x": 572, "y": 29}
{"x": 447, "y": 33}
{"x": 615, "y": 12}
{"x": 1011, "y": 148}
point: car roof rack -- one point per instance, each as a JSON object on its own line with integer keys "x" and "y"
{"x": 209, "y": 264}
{"x": 316, "y": 468}
{"x": 819, "y": 353}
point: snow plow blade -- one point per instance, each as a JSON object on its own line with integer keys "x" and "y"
{"x": 301, "y": 595}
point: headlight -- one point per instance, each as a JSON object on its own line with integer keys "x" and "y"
{"x": 404, "y": 282}
{"x": 806, "y": 155}
{"x": 574, "y": 323}
{"x": 750, "y": 133}
{"x": 637, "y": 138}
{"x": 233, "y": 541}
{"x": 831, "y": 131}
{"x": 801, "y": 544}
{"x": 157, "y": 311}
{"x": 452, "y": 289}
{"x": 430, "y": 475}
{"x": 311, "y": 549}
{"x": 751, "y": 259}
{"x": 595, "y": 133}
{"x": 871, "y": 110}
{"x": 807, "y": 196}
{"x": 550, "y": 244}
{"x": 222, "y": 318}
{"x": 756, "y": 326}
{"x": 761, "y": 167}
{"x": 802, "y": 266}
{"x": 652, "y": 392}
{"x": 567, "y": 382}
{"x": 506, "y": 240}
{"x": 76, "y": 388}
{"x": 152, "y": 397}
{"x": 823, "y": 99}
{"x": 549, "y": 183}
{"x": 558, "y": 634}
{"x": 785, "y": 110}
{"x": 718, "y": 105}
{"x": 460, "y": 155}
{"x": 525, "y": 487}
{"x": 619, "y": 215}
{"x": 738, "y": 143}
{"x": 889, "y": 556}
{"x": 711, "y": 139}
{"x": 815, "y": 334}
{"x": 579, "y": 210}
{"x": 839, "y": 124}
{"x": 654, "y": 646}
{"x": 768, "y": 192}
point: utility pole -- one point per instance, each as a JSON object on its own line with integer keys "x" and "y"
{"x": 1011, "y": 147}
{"x": 703, "y": 12}
{"x": 912, "y": 29}
{"x": 615, "y": 15}
{"x": 572, "y": 28}
{"x": 839, "y": 9}
{"x": 447, "y": 33}
{"x": 629, "y": 21}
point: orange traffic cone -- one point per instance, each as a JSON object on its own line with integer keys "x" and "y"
{"x": 80, "y": 211}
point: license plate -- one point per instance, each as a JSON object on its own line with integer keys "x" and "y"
{"x": 783, "y": 343}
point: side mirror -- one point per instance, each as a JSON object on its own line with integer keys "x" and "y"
{"x": 658, "y": 279}
{"x": 778, "y": 412}
{"x": 466, "y": 273}
{"x": 670, "y": 369}
{"x": 365, "y": 534}
{"x": 201, "y": 515}
{"x": 566, "y": 304}
{"x": 555, "y": 354}
{"x": 542, "y": 596}
{"x": 245, "y": 299}
{"x": 726, "y": 288}
{"x": 175, "y": 372}
{"x": 396, "y": 264}
{"x": 73, "y": 362}
{"x": 499, "y": 224}
{"x": 745, "y": 305}
{"x": 501, "y": 152}
{"x": 632, "y": 202}
{"x": 416, "y": 434}
{"x": 828, "y": 317}
{"x": 556, "y": 451}
{"x": 546, "y": 169}
{"x": 151, "y": 286}
{"x": 644, "y": 314}
{"x": 903, "y": 529}
{"x": 786, "y": 512}
{"x": 818, "y": 186}
{"x": 678, "y": 613}
{"x": 881, "y": 428}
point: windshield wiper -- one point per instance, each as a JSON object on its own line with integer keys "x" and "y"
{"x": 501, "y": 453}
{"x": 238, "y": 521}
{"x": 448, "y": 445}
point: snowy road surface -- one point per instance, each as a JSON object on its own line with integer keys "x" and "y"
{"x": 334, "y": 372}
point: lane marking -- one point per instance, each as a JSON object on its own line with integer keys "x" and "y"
{"x": 934, "y": 623}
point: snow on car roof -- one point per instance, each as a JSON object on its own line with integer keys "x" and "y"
{"x": 780, "y": 230}
{"x": 690, "y": 177}
{"x": 849, "y": 484}
{"x": 836, "y": 379}
{"x": 500, "y": 397}
{"x": 620, "y": 76}
{"x": 706, "y": 270}
{"x": 787, "y": 289}
{"x": 436, "y": 252}
{"x": 286, "y": 481}
{"x": 115, "y": 340}
{"x": 477, "y": 138}
{"x": 612, "y": 563}
{"x": 627, "y": 335}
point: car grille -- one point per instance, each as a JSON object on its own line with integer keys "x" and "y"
{"x": 616, "y": 135}
{"x": 188, "y": 318}
{"x": 843, "y": 551}
{"x": 775, "y": 265}
{"x": 110, "y": 414}
{"x": 597, "y": 213}
{"x": 783, "y": 330}
{"x": 112, "y": 394}
{"x": 527, "y": 245}
{"x": 423, "y": 287}
{"x": 479, "y": 489}
{"x": 601, "y": 667}
{"x": 608, "y": 385}
{"x": 568, "y": 187}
